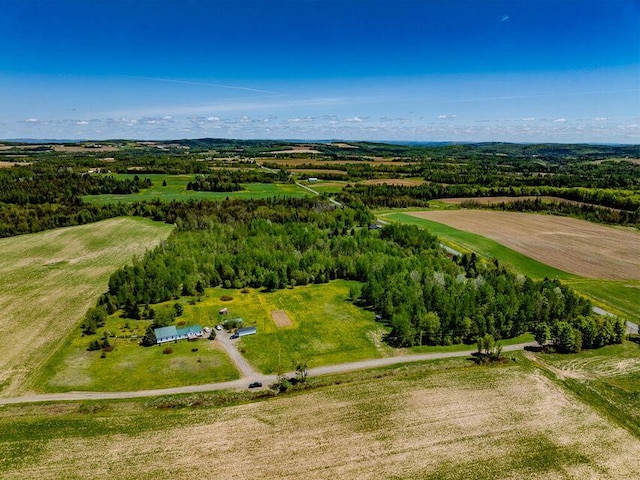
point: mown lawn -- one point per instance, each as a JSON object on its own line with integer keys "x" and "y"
{"x": 176, "y": 189}
{"x": 327, "y": 328}
{"x": 133, "y": 367}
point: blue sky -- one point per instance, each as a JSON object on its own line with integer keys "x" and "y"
{"x": 474, "y": 70}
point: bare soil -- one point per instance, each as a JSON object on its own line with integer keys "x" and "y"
{"x": 281, "y": 319}
{"x": 575, "y": 246}
{"x": 13, "y": 164}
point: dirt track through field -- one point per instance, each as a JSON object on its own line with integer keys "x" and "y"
{"x": 575, "y": 246}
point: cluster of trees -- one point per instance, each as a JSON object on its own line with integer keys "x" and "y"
{"x": 424, "y": 296}
{"x": 581, "y": 332}
{"x": 398, "y": 196}
{"x": 24, "y": 186}
{"x": 230, "y": 180}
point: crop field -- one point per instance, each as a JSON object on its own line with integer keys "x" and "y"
{"x": 575, "y": 246}
{"x": 49, "y": 280}
{"x": 296, "y": 162}
{"x": 133, "y": 367}
{"x": 444, "y": 420}
{"x": 325, "y": 327}
{"x": 608, "y": 378}
{"x": 176, "y": 189}
{"x": 404, "y": 182}
{"x": 619, "y": 297}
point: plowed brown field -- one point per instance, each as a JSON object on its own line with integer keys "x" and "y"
{"x": 575, "y": 246}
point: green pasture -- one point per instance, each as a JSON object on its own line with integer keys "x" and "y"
{"x": 327, "y": 328}
{"x": 618, "y": 297}
{"x": 176, "y": 189}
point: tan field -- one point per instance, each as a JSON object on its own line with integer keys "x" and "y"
{"x": 296, "y": 162}
{"x": 575, "y": 246}
{"x": 318, "y": 172}
{"x": 281, "y": 319}
{"x": 14, "y": 164}
{"x": 50, "y": 279}
{"x": 480, "y": 423}
{"x": 403, "y": 182}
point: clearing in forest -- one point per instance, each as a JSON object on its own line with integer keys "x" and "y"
{"x": 281, "y": 318}
{"x": 50, "y": 279}
{"x": 576, "y": 246}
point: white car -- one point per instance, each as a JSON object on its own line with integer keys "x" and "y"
{"x": 218, "y": 327}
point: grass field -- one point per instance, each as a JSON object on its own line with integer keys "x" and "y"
{"x": 326, "y": 327}
{"x": 619, "y": 297}
{"x": 176, "y": 189}
{"x": 132, "y": 367}
{"x": 49, "y": 279}
{"x": 439, "y": 420}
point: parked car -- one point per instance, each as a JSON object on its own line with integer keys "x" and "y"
{"x": 234, "y": 336}
{"x": 255, "y": 385}
{"x": 218, "y": 327}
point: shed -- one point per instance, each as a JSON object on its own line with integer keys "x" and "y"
{"x": 242, "y": 332}
{"x": 223, "y": 311}
{"x": 312, "y": 179}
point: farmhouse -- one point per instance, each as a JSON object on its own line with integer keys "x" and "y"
{"x": 171, "y": 333}
{"x": 242, "y": 332}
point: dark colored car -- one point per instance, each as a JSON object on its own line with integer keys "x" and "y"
{"x": 234, "y": 336}
{"x": 255, "y": 385}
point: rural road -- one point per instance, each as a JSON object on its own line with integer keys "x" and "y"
{"x": 252, "y": 376}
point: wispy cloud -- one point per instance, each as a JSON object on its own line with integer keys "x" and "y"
{"x": 504, "y": 18}
{"x": 207, "y": 84}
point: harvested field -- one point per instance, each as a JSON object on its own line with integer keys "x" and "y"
{"x": 296, "y": 162}
{"x": 84, "y": 148}
{"x": 297, "y": 150}
{"x": 509, "y": 423}
{"x": 575, "y": 246}
{"x": 14, "y": 164}
{"x": 281, "y": 319}
{"x": 50, "y": 279}
{"x": 343, "y": 145}
{"x": 403, "y": 182}
{"x": 318, "y": 172}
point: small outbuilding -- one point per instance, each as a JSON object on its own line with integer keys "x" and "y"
{"x": 223, "y": 311}
{"x": 243, "y": 332}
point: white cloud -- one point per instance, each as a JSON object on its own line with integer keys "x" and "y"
{"x": 560, "y": 120}
{"x": 353, "y": 120}
{"x": 442, "y": 117}
{"x": 82, "y": 122}
{"x": 212, "y": 119}
{"x": 528, "y": 119}
{"x": 601, "y": 119}
{"x": 31, "y": 120}
{"x": 504, "y": 18}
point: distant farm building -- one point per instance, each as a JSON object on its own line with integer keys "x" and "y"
{"x": 312, "y": 179}
{"x": 171, "y": 333}
{"x": 223, "y": 311}
{"x": 243, "y": 332}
